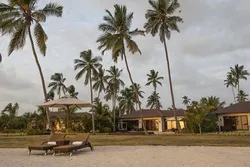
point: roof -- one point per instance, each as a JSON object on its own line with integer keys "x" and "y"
{"x": 61, "y": 114}
{"x": 66, "y": 102}
{"x": 146, "y": 113}
{"x": 241, "y": 107}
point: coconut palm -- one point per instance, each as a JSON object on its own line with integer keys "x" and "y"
{"x": 154, "y": 79}
{"x": 160, "y": 20}
{"x": 11, "y": 110}
{"x": 117, "y": 37}
{"x": 126, "y": 101}
{"x": 238, "y": 72}
{"x": 242, "y": 96}
{"x": 186, "y": 101}
{"x": 140, "y": 92}
{"x": 88, "y": 67}
{"x": 17, "y": 19}
{"x": 99, "y": 81}
{"x": 231, "y": 81}
{"x": 154, "y": 101}
{"x": 57, "y": 84}
{"x": 50, "y": 95}
{"x": 72, "y": 91}
{"x": 114, "y": 84}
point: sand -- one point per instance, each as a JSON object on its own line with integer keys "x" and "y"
{"x": 128, "y": 156}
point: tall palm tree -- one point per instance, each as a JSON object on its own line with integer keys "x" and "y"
{"x": 126, "y": 101}
{"x": 114, "y": 84}
{"x": 117, "y": 36}
{"x": 11, "y": 110}
{"x": 17, "y": 18}
{"x": 231, "y": 81}
{"x": 88, "y": 66}
{"x": 154, "y": 79}
{"x": 160, "y": 19}
{"x": 186, "y": 101}
{"x": 242, "y": 96}
{"x": 0, "y": 57}
{"x": 140, "y": 92}
{"x": 57, "y": 84}
{"x": 154, "y": 101}
{"x": 99, "y": 81}
{"x": 238, "y": 72}
{"x": 72, "y": 91}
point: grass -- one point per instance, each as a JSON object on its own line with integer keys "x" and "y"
{"x": 22, "y": 141}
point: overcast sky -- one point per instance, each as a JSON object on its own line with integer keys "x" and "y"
{"x": 214, "y": 36}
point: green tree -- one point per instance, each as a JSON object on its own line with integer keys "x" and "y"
{"x": 50, "y": 96}
{"x": 11, "y": 110}
{"x": 57, "y": 84}
{"x": 154, "y": 101}
{"x": 186, "y": 101}
{"x": 154, "y": 79}
{"x": 126, "y": 101}
{"x": 72, "y": 91}
{"x": 114, "y": 84}
{"x": 117, "y": 36}
{"x": 242, "y": 96}
{"x": 238, "y": 73}
{"x": 88, "y": 66}
{"x": 16, "y": 20}
{"x": 231, "y": 81}
{"x": 160, "y": 20}
{"x": 99, "y": 81}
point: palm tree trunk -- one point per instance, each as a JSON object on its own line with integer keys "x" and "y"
{"x": 200, "y": 128}
{"x": 67, "y": 112}
{"x": 42, "y": 79}
{"x": 238, "y": 87}
{"x": 170, "y": 84}
{"x": 91, "y": 96}
{"x": 233, "y": 94}
{"x": 136, "y": 91}
{"x": 114, "y": 106}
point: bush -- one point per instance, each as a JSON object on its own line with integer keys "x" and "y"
{"x": 106, "y": 130}
{"x": 34, "y": 132}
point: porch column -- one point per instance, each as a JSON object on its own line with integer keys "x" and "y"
{"x": 248, "y": 120}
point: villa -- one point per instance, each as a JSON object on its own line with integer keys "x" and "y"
{"x": 234, "y": 117}
{"x": 155, "y": 120}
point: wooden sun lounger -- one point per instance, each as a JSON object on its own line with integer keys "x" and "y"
{"x": 73, "y": 146}
{"x": 45, "y": 146}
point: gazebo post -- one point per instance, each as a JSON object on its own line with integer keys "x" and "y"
{"x": 67, "y": 113}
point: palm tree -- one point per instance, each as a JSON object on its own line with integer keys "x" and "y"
{"x": 231, "y": 81}
{"x": 0, "y": 57}
{"x": 154, "y": 101}
{"x": 88, "y": 66}
{"x": 72, "y": 91}
{"x": 160, "y": 19}
{"x": 57, "y": 84}
{"x": 242, "y": 96}
{"x": 238, "y": 72}
{"x": 186, "y": 101}
{"x": 154, "y": 79}
{"x": 100, "y": 81}
{"x": 50, "y": 96}
{"x": 114, "y": 83}
{"x": 11, "y": 110}
{"x": 16, "y": 20}
{"x": 140, "y": 92}
{"x": 117, "y": 36}
{"x": 126, "y": 101}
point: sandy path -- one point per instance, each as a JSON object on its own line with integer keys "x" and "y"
{"x": 127, "y": 156}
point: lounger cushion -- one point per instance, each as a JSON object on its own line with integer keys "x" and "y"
{"x": 51, "y": 143}
{"x": 41, "y": 147}
{"x": 77, "y": 143}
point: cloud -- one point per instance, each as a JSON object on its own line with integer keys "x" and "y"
{"x": 213, "y": 37}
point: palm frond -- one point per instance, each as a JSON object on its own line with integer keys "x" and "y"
{"x": 18, "y": 39}
{"x": 52, "y": 9}
{"x": 41, "y": 38}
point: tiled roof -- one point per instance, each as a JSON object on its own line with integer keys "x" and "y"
{"x": 241, "y": 107}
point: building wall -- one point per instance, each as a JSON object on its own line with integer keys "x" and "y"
{"x": 221, "y": 120}
{"x": 172, "y": 124}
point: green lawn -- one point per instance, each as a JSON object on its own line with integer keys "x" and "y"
{"x": 22, "y": 141}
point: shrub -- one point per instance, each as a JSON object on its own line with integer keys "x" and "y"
{"x": 34, "y": 132}
{"x": 106, "y": 130}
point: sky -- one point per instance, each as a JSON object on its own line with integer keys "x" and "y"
{"x": 214, "y": 36}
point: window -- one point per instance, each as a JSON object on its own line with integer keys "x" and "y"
{"x": 236, "y": 122}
